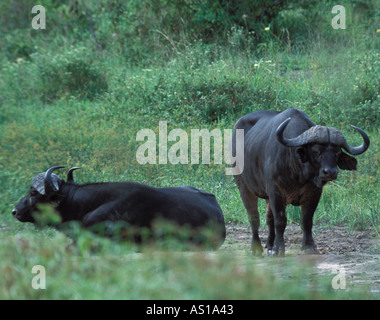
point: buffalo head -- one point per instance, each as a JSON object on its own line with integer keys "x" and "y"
{"x": 319, "y": 150}
{"x": 45, "y": 188}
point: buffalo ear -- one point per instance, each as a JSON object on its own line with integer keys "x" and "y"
{"x": 346, "y": 162}
{"x": 55, "y": 200}
{"x": 301, "y": 154}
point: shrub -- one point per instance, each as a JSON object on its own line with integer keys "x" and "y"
{"x": 72, "y": 73}
{"x": 17, "y": 44}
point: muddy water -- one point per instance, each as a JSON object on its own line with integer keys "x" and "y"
{"x": 351, "y": 259}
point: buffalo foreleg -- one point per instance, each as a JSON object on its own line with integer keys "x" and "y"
{"x": 279, "y": 222}
{"x": 270, "y": 224}
{"x": 307, "y": 213}
{"x": 105, "y": 212}
{"x": 250, "y": 202}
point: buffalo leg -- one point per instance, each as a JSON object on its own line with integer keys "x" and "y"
{"x": 280, "y": 221}
{"x": 103, "y": 213}
{"x": 250, "y": 202}
{"x": 270, "y": 224}
{"x": 307, "y": 213}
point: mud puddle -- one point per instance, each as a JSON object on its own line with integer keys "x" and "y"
{"x": 352, "y": 258}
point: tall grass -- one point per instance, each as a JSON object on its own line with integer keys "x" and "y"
{"x": 96, "y": 268}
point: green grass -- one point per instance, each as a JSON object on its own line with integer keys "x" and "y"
{"x": 100, "y": 135}
{"x": 65, "y": 103}
{"x": 95, "y": 268}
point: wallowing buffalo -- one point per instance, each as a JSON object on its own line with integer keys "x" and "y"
{"x": 287, "y": 160}
{"x": 136, "y": 205}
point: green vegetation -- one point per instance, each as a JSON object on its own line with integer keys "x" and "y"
{"x": 77, "y": 93}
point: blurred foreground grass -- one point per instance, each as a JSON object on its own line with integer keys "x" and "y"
{"x": 95, "y": 268}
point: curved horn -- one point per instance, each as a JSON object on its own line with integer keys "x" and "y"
{"x": 280, "y": 133}
{"x": 359, "y": 149}
{"x": 320, "y": 134}
{"x": 48, "y": 182}
{"x": 316, "y": 134}
{"x": 70, "y": 178}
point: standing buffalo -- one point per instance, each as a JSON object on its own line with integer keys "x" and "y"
{"x": 136, "y": 205}
{"x": 288, "y": 160}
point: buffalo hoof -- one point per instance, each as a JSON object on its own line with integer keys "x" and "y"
{"x": 311, "y": 250}
{"x": 257, "y": 250}
{"x": 276, "y": 253}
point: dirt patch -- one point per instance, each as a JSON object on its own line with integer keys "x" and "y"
{"x": 353, "y": 254}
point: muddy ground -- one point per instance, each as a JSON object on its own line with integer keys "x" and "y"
{"x": 355, "y": 253}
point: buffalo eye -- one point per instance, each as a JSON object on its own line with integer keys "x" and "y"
{"x": 301, "y": 154}
{"x": 31, "y": 201}
{"x": 33, "y": 193}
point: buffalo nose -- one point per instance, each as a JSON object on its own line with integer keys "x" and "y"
{"x": 14, "y": 211}
{"x": 330, "y": 172}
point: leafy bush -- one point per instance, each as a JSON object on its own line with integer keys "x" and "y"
{"x": 17, "y": 44}
{"x": 72, "y": 73}
{"x": 368, "y": 81}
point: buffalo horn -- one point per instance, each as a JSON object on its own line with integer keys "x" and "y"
{"x": 70, "y": 178}
{"x": 355, "y": 150}
{"x": 50, "y": 184}
{"x": 322, "y": 135}
{"x": 304, "y": 138}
